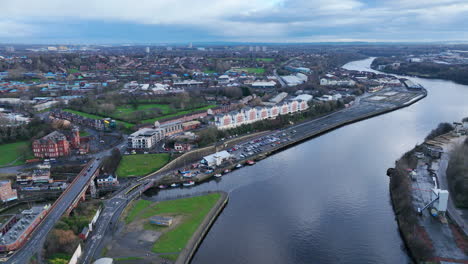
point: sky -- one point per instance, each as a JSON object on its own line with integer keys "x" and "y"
{"x": 183, "y": 21}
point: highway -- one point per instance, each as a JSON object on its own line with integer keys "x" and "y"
{"x": 37, "y": 238}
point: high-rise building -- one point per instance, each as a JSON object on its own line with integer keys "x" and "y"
{"x": 257, "y": 48}
{"x": 190, "y": 45}
{"x": 264, "y": 48}
{"x": 10, "y": 49}
{"x": 147, "y": 49}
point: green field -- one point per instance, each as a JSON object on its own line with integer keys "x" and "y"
{"x": 265, "y": 59}
{"x": 125, "y": 111}
{"x": 58, "y": 258}
{"x": 193, "y": 211}
{"x": 73, "y": 71}
{"x": 11, "y": 153}
{"x": 84, "y": 133}
{"x": 126, "y": 124}
{"x": 183, "y": 112}
{"x": 252, "y": 70}
{"x": 208, "y": 71}
{"x": 141, "y": 164}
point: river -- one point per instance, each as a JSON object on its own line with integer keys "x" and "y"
{"x": 326, "y": 200}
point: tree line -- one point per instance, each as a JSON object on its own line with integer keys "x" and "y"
{"x": 457, "y": 175}
{"x": 34, "y": 129}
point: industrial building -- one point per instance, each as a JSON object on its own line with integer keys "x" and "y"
{"x": 15, "y": 232}
{"x": 293, "y": 80}
{"x": 264, "y": 84}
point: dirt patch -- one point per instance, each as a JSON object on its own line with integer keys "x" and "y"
{"x": 137, "y": 239}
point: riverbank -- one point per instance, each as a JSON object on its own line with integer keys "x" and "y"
{"x": 191, "y": 247}
{"x": 389, "y": 100}
{"x": 428, "y": 235}
{"x": 189, "y": 220}
{"x": 429, "y": 70}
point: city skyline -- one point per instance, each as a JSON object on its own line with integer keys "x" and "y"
{"x": 277, "y": 21}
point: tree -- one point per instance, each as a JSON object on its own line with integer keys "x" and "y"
{"x": 442, "y": 128}
{"x": 233, "y": 92}
{"x": 112, "y": 162}
{"x": 107, "y": 109}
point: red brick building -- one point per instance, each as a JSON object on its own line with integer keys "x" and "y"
{"x": 56, "y": 144}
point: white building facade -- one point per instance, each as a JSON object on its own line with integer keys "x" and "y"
{"x": 145, "y": 138}
{"x": 248, "y": 115}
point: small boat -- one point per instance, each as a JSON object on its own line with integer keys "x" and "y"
{"x": 174, "y": 185}
{"x": 189, "y": 183}
{"x": 162, "y": 186}
{"x": 218, "y": 175}
{"x": 238, "y": 166}
{"x": 250, "y": 162}
{"x": 227, "y": 171}
{"x": 187, "y": 175}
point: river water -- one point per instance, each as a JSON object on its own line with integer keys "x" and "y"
{"x": 326, "y": 200}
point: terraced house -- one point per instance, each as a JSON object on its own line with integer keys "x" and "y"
{"x": 249, "y": 115}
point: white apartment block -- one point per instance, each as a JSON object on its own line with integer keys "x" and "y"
{"x": 145, "y": 138}
{"x": 249, "y": 115}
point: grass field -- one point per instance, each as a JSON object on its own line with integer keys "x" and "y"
{"x": 265, "y": 59}
{"x": 58, "y": 258}
{"x": 126, "y": 124}
{"x": 141, "y": 164}
{"x": 73, "y": 71}
{"x": 183, "y": 112}
{"x": 208, "y": 71}
{"x": 253, "y": 70}
{"x": 126, "y": 110}
{"x": 84, "y": 133}
{"x": 193, "y": 211}
{"x": 11, "y": 153}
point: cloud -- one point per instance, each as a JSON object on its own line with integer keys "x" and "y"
{"x": 257, "y": 20}
{"x": 10, "y": 28}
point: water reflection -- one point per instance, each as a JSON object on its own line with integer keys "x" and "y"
{"x": 326, "y": 200}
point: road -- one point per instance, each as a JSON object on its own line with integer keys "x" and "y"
{"x": 460, "y": 216}
{"x": 37, "y": 238}
{"x": 283, "y": 84}
{"x": 108, "y": 219}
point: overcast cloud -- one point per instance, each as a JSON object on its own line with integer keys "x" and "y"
{"x": 232, "y": 20}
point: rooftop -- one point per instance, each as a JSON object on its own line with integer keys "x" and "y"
{"x": 27, "y": 217}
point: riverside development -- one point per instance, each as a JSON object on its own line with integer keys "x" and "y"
{"x": 195, "y": 151}
{"x": 377, "y": 103}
